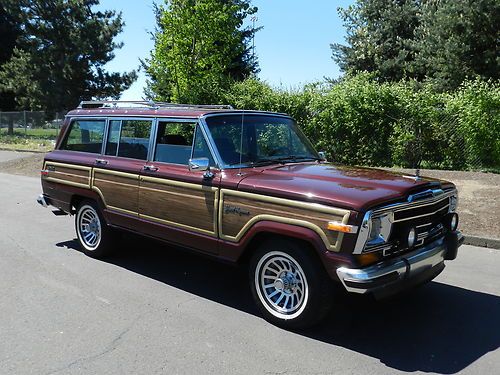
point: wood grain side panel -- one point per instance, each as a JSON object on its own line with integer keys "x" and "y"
{"x": 187, "y": 207}
{"x": 118, "y": 190}
{"x": 251, "y": 209}
{"x": 67, "y": 174}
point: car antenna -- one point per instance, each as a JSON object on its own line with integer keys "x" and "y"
{"x": 419, "y": 154}
{"x": 241, "y": 141}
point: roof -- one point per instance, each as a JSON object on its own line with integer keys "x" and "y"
{"x": 152, "y": 109}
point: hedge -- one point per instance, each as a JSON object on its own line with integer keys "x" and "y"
{"x": 360, "y": 121}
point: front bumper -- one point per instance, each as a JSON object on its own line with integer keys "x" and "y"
{"x": 394, "y": 274}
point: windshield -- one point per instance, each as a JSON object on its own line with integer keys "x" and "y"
{"x": 265, "y": 140}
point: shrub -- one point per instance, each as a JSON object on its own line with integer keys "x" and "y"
{"x": 361, "y": 121}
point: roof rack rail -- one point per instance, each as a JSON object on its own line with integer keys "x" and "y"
{"x": 146, "y": 104}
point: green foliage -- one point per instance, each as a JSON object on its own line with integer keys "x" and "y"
{"x": 9, "y": 32}
{"x": 380, "y": 38}
{"x": 200, "y": 50}
{"x": 362, "y": 121}
{"x": 458, "y": 40}
{"x": 353, "y": 120}
{"x": 444, "y": 42}
{"x": 477, "y": 108}
{"x": 60, "y": 54}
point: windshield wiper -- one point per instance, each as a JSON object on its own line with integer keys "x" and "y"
{"x": 264, "y": 162}
{"x": 281, "y": 160}
{"x": 293, "y": 158}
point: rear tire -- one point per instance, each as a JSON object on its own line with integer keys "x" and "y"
{"x": 94, "y": 235}
{"x": 290, "y": 285}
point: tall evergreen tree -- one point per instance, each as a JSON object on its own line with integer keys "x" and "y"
{"x": 201, "y": 47}
{"x": 458, "y": 40}
{"x": 60, "y": 54}
{"x": 444, "y": 41}
{"x": 9, "y": 32}
{"x": 380, "y": 38}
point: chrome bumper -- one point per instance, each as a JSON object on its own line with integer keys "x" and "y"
{"x": 395, "y": 271}
{"x": 41, "y": 201}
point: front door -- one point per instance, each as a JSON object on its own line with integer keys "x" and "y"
{"x": 181, "y": 206}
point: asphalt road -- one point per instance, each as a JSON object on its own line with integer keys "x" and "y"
{"x": 153, "y": 309}
{"x": 12, "y": 155}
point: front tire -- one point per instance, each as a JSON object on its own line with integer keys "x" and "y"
{"x": 289, "y": 285}
{"x": 93, "y": 234}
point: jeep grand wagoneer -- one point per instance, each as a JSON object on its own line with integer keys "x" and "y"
{"x": 246, "y": 186}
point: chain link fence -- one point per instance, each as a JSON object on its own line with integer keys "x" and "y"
{"x": 34, "y": 124}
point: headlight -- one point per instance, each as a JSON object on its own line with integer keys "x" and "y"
{"x": 412, "y": 237}
{"x": 380, "y": 229}
{"x": 374, "y": 230}
{"x": 453, "y": 203}
{"x": 451, "y": 221}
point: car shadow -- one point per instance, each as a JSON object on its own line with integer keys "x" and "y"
{"x": 436, "y": 328}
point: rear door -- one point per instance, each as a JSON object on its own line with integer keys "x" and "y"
{"x": 180, "y": 205}
{"x": 116, "y": 173}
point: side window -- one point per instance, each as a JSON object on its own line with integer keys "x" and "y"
{"x": 85, "y": 136}
{"x": 129, "y": 138}
{"x": 113, "y": 137}
{"x": 174, "y": 142}
{"x": 201, "y": 149}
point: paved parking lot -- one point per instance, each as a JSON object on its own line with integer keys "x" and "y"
{"x": 12, "y": 155}
{"x": 153, "y": 309}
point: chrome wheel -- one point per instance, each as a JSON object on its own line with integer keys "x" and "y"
{"x": 89, "y": 227}
{"x": 281, "y": 285}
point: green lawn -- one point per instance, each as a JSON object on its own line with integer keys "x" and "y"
{"x": 37, "y": 139}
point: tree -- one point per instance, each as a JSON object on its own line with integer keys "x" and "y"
{"x": 60, "y": 55}
{"x": 458, "y": 40}
{"x": 200, "y": 49}
{"x": 443, "y": 41}
{"x": 9, "y": 31}
{"x": 380, "y": 38}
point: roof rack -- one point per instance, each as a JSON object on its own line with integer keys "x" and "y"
{"x": 146, "y": 104}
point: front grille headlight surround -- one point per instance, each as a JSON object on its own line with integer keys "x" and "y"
{"x": 374, "y": 230}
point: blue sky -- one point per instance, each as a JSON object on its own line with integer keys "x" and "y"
{"x": 293, "y": 48}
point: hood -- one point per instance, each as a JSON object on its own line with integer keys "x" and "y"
{"x": 353, "y": 188}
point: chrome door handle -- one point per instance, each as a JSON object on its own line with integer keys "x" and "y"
{"x": 101, "y": 161}
{"x": 150, "y": 168}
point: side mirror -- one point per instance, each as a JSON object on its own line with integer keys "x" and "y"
{"x": 322, "y": 155}
{"x": 199, "y": 164}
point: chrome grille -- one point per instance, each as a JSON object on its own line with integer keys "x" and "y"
{"x": 424, "y": 210}
{"x": 421, "y": 211}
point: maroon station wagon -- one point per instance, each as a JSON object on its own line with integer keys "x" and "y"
{"x": 248, "y": 187}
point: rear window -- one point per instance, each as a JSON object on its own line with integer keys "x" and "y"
{"x": 129, "y": 138}
{"x": 85, "y": 136}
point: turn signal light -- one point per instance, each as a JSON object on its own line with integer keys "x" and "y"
{"x": 368, "y": 258}
{"x": 44, "y": 172}
{"x": 340, "y": 227}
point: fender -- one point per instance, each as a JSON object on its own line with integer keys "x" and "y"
{"x": 233, "y": 251}
{"x": 62, "y": 198}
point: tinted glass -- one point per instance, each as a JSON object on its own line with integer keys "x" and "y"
{"x": 85, "y": 136}
{"x": 134, "y": 139}
{"x": 201, "y": 149}
{"x": 174, "y": 142}
{"x": 252, "y": 139}
{"x": 113, "y": 137}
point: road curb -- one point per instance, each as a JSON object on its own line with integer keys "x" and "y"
{"x": 490, "y": 243}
